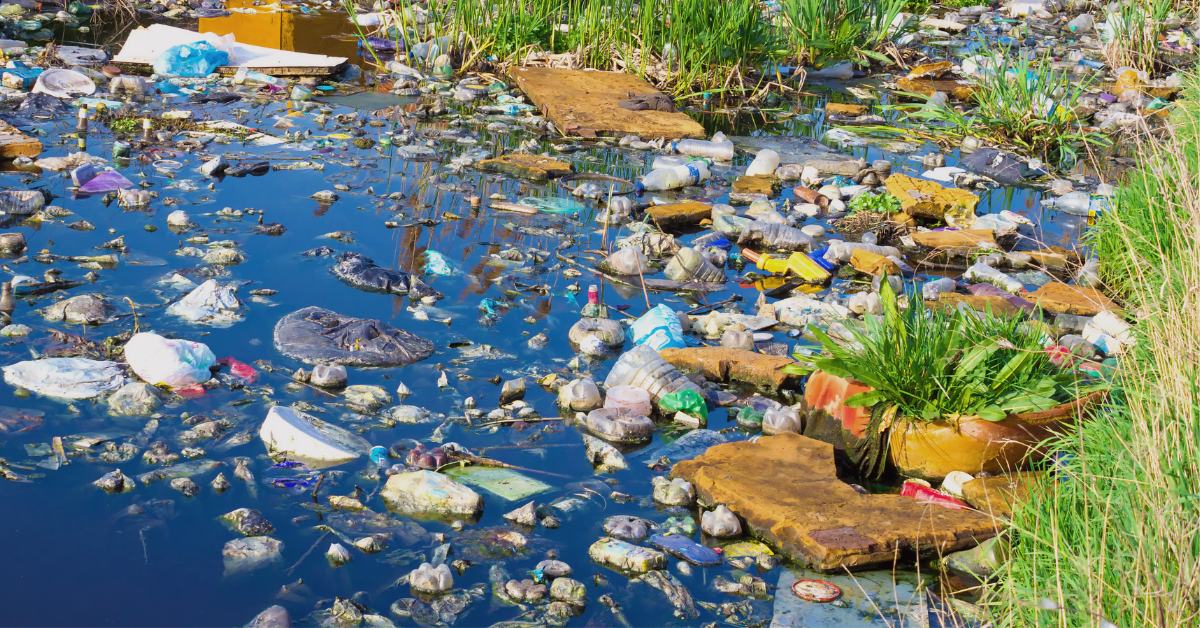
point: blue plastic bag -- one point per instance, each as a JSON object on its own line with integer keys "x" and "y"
{"x": 659, "y": 328}
{"x": 194, "y": 60}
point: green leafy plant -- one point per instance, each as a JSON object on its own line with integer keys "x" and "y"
{"x": 1024, "y": 104}
{"x": 933, "y": 364}
{"x": 875, "y": 203}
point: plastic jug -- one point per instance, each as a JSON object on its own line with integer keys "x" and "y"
{"x": 782, "y": 419}
{"x": 629, "y": 397}
{"x": 721, "y": 523}
{"x": 689, "y": 265}
{"x": 644, "y": 368}
{"x": 582, "y": 395}
{"x": 620, "y": 425}
{"x": 840, "y": 252}
{"x": 738, "y": 339}
{"x": 628, "y": 261}
{"x": 765, "y": 162}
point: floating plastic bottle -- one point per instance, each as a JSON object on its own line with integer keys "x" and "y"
{"x": 628, "y": 261}
{"x": 620, "y": 425}
{"x": 982, "y": 273}
{"x": 775, "y": 236}
{"x": 1077, "y": 204}
{"x": 689, "y": 265}
{"x": 722, "y": 151}
{"x": 721, "y": 523}
{"x": 840, "y": 252}
{"x": 246, "y": 74}
{"x": 765, "y": 162}
{"x": 1081, "y": 24}
{"x": 629, "y": 397}
{"x": 1109, "y": 333}
{"x": 430, "y": 49}
{"x": 644, "y": 368}
{"x": 731, "y": 224}
{"x": 675, "y": 177}
{"x": 932, "y": 290}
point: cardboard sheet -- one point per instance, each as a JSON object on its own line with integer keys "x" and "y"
{"x": 144, "y": 45}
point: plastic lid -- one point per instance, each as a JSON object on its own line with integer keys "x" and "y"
{"x": 64, "y": 84}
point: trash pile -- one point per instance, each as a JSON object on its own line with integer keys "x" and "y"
{"x": 507, "y": 357}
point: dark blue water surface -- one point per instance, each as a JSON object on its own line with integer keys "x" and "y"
{"x": 71, "y": 560}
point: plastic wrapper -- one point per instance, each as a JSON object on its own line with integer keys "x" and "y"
{"x": 315, "y": 335}
{"x": 169, "y": 361}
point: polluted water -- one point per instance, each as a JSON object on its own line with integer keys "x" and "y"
{"x": 289, "y": 280}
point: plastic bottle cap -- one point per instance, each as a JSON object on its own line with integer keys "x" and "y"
{"x": 639, "y": 189}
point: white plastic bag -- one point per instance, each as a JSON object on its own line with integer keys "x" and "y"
{"x": 176, "y": 363}
{"x": 66, "y": 378}
{"x": 210, "y": 303}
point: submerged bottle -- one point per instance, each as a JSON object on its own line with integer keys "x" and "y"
{"x": 7, "y": 304}
{"x": 775, "y": 236}
{"x": 689, "y": 265}
{"x": 674, "y": 177}
{"x": 1081, "y": 24}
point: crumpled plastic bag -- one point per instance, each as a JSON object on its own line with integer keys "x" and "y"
{"x": 316, "y": 335}
{"x": 659, "y": 328}
{"x": 173, "y": 362}
{"x": 437, "y": 264}
{"x": 107, "y": 181}
{"x": 194, "y": 60}
{"x": 70, "y": 162}
{"x": 686, "y": 401}
{"x": 66, "y": 378}
{"x": 209, "y": 304}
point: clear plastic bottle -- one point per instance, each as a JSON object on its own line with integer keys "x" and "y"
{"x": 784, "y": 419}
{"x": 246, "y": 74}
{"x": 932, "y": 290}
{"x": 765, "y": 162}
{"x": 738, "y": 339}
{"x": 430, "y": 49}
{"x": 840, "y": 252}
{"x": 620, "y": 425}
{"x": 580, "y": 395}
{"x": 1077, "y": 204}
{"x": 775, "y": 236}
{"x": 722, "y": 151}
{"x": 675, "y": 177}
{"x": 1081, "y": 24}
{"x": 644, "y": 368}
{"x": 689, "y": 265}
{"x": 982, "y": 273}
{"x": 670, "y": 161}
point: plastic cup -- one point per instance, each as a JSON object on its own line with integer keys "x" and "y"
{"x": 631, "y": 397}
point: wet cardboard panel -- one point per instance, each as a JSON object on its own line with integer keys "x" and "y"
{"x": 580, "y": 102}
{"x": 786, "y": 489}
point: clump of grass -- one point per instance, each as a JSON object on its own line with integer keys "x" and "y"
{"x": 942, "y": 363}
{"x": 1137, "y": 27}
{"x": 1027, "y": 105}
{"x": 1115, "y": 540}
{"x": 820, "y": 33}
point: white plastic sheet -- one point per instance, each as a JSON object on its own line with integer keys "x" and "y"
{"x": 209, "y": 304}
{"x": 176, "y": 363}
{"x": 66, "y": 378}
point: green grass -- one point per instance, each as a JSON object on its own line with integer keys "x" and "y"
{"x": 686, "y": 46}
{"x": 1027, "y": 105}
{"x": 820, "y": 33}
{"x": 1116, "y": 541}
{"x": 1137, "y": 27}
{"x": 938, "y": 363}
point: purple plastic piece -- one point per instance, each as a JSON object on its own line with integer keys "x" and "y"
{"x": 988, "y": 290}
{"x": 1109, "y": 98}
{"x": 107, "y": 181}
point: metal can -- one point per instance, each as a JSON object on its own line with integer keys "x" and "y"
{"x": 121, "y": 149}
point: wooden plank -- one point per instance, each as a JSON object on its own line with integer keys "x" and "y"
{"x": 584, "y": 103}
{"x": 14, "y": 143}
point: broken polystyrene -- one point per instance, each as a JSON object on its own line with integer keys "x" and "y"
{"x": 295, "y": 435}
{"x": 430, "y": 579}
{"x": 209, "y": 304}
{"x": 721, "y": 523}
